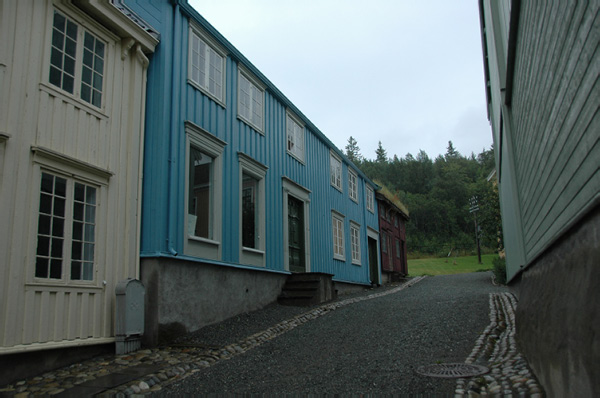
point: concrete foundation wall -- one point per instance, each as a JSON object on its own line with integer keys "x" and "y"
{"x": 558, "y": 316}
{"x": 184, "y": 296}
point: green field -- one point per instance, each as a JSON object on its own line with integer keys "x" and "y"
{"x": 449, "y": 265}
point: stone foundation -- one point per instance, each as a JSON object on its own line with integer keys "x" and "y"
{"x": 183, "y": 296}
{"x": 558, "y": 316}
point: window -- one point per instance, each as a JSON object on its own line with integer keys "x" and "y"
{"x": 204, "y": 192}
{"x": 338, "y": 236}
{"x": 200, "y": 201}
{"x": 396, "y": 220}
{"x": 370, "y": 202}
{"x": 250, "y": 214}
{"x": 397, "y": 248}
{"x": 76, "y": 60}
{"x": 252, "y": 210}
{"x": 384, "y": 246}
{"x": 335, "y": 171}
{"x": 352, "y": 185}
{"x": 207, "y": 66}
{"x": 66, "y": 229}
{"x": 355, "y": 242}
{"x": 250, "y": 101}
{"x": 295, "y": 138}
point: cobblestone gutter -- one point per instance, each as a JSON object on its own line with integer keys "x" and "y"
{"x": 173, "y": 363}
{"x": 496, "y": 348}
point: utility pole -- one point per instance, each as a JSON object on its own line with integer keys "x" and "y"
{"x": 474, "y": 208}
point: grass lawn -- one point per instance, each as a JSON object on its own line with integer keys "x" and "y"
{"x": 447, "y": 266}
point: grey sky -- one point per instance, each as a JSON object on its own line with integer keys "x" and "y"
{"x": 406, "y": 73}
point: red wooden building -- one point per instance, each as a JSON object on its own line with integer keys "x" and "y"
{"x": 392, "y": 229}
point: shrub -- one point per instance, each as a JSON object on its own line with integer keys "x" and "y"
{"x": 499, "y": 269}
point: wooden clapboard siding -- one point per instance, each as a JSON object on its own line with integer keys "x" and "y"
{"x": 547, "y": 148}
{"x": 43, "y": 127}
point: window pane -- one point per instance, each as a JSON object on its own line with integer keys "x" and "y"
{"x": 78, "y": 211}
{"x": 86, "y": 93}
{"x": 59, "y": 21}
{"x": 77, "y": 230}
{"x": 68, "y": 84}
{"x": 88, "y": 41}
{"x": 89, "y": 233}
{"x": 88, "y": 271}
{"x": 55, "y": 268}
{"x": 56, "y": 59}
{"x": 90, "y": 214}
{"x": 90, "y": 195}
{"x": 76, "y": 251}
{"x": 45, "y": 204}
{"x": 43, "y": 246}
{"x": 99, "y": 49}
{"x": 59, "y": 207}
{"x": 41, "y": 267}
{"x": 79, "y": 192}
{"x": 57, "y": 226}
{"x": 55, "y": 76}
{"x": 71, "y": 30}
{"x": 56, "y": 248}
{"x": 44, "y": 225}
{"x": 69, "y": 66}
{"x": 76, "y": 270}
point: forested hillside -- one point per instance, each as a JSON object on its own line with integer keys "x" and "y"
{"x": 437, "y": 193}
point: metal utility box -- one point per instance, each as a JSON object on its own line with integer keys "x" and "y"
{"x": 129, "y": 322}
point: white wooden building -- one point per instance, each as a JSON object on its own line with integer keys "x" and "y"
{"x": 72, "y": 103}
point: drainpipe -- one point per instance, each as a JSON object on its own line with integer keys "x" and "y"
{"x": 172, "y": 147}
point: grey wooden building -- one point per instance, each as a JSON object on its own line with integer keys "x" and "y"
{"x": 542, "y": 65}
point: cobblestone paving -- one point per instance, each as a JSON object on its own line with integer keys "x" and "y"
{"x": 496, "y": 348}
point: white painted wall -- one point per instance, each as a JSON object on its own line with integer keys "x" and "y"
{"x": 45, "y": 128}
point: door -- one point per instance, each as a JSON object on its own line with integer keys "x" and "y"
{"x": 296, "y": 234}
{"x": 373, "y": 263}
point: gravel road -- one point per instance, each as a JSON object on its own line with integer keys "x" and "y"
{"x": 370, "y": 347}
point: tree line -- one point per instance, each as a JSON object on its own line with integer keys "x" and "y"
{"x": 437, "y": 194}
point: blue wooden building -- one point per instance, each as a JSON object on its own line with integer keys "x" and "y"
{"x": 240, "y": 189}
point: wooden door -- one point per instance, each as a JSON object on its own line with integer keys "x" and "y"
{"x": 373, "y": 263}
{"x": 296, "y": 235}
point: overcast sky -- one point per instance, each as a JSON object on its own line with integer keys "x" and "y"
{"x": 406, "y": 73}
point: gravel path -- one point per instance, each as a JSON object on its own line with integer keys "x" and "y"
{"x": 372, "y": 346}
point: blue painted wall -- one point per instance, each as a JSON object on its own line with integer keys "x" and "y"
{"x": 172, "y": 101}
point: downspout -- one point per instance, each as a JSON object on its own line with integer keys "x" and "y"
{"x": 172, "y": 147}
{"x": 145, "y": 62}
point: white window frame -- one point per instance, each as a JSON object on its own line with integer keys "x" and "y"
{"x": 335, "y": 171}
{"x": 370, "y": 199}
{"x": 256, "y": 97}
{"x": 355, "y": 242}
{"x": 295, "y": 142}
{"x": 197, "y": 246}
{"x": 74, "y": 171}
{"x": 352, "y": 185}
{"x": 253, "y": 256}
{"x": 338, "y": 239}
{"x": 211, "y": 48}
{"x": 82, "y": 29}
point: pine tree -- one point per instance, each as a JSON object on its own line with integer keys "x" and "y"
{"x": 353, "y": 150}
{"x": 381, "y": 154}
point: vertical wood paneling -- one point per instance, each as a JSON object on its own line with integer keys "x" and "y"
{"x": 40, "y": 116}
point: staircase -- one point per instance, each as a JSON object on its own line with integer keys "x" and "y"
{"x": 308, "y": 288}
